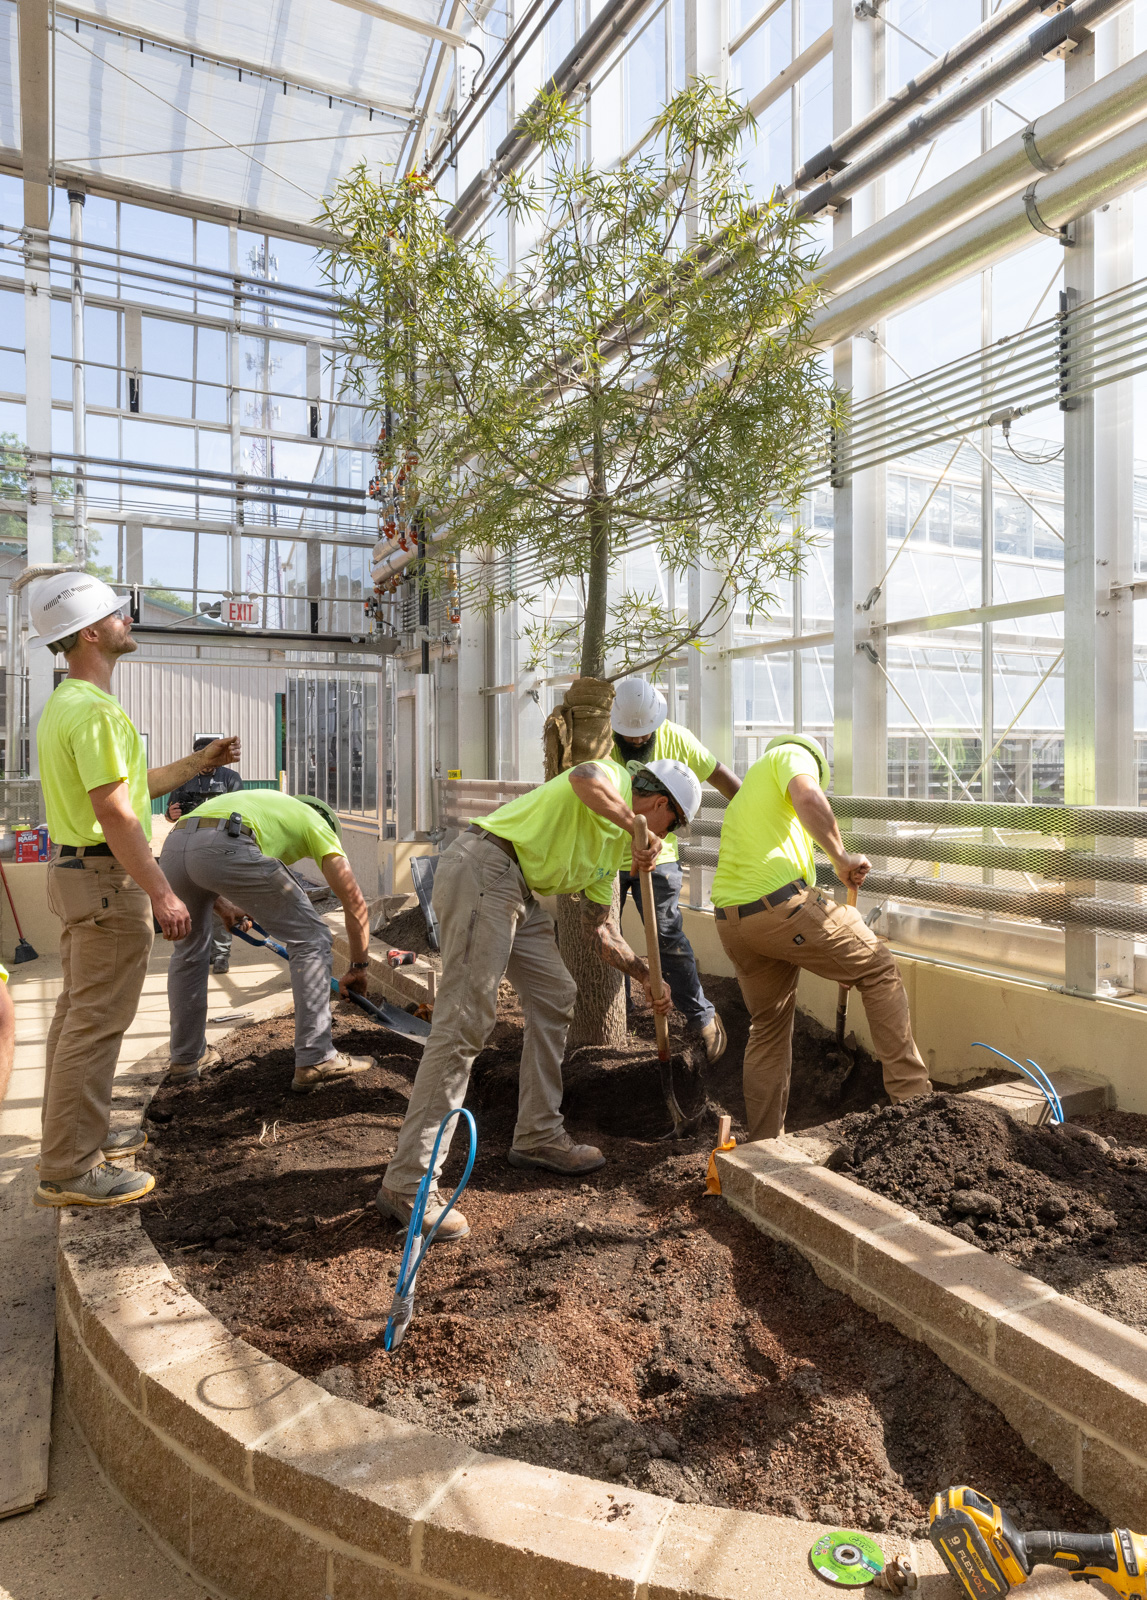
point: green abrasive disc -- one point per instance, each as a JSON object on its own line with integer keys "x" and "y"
{"x": 846, "y": 1558}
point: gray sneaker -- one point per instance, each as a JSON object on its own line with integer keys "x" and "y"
{"x": 714, "y": 1038}
{"x": 400, "y": 1208}
{"x": 307, "y": 1079}
{"x": 560, "y": 1155}
{"x": 183, "y": 1072}
{"x": 104, "y": 1185}
{"x": 127, "y": 1142}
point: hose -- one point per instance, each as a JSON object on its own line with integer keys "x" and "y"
{"x": 1039, "y": 1077}
{"x": 402, "y": 1306}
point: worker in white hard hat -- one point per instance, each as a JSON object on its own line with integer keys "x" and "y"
{"x": 104, "y": 885}
{"x": 643, "y": 734}
{"x": 568, "y": 836}
{"x": 773, "y": 921}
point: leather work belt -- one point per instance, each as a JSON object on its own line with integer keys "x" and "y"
{"x": 86, "y": 850}
{"x": 778, "y": 897}
{"x": 503, "y": 845}
{"x": 245, "y": 830}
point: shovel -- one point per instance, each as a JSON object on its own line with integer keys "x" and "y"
{"x": 681, "y": 1123}
{"x": 842, "y": 1013}
{"x": 381, "y": 1011}
{"x": 24, "y": 951}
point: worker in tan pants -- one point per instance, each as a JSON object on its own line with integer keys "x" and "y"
{"x": 773, "y": 921}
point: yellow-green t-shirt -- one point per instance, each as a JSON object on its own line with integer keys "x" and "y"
{"x": 763, "y": 844}
{"x": 675, "y": 743}
{"x": 563, "y": 847}
{"x": 284, "y": 827}
{"x": 86, "y": 739}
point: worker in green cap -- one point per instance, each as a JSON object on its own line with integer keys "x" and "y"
{"x": 773, "y": 921}
{"x": 231, "y": 856}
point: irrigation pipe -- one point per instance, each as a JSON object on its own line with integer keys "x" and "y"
{"x": 1039, "y": 1077}
{"x": 402, "y": 1306}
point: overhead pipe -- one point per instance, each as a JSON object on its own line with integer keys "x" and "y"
{"x": 978, "y": 43}
{"x": 1100, "y": 112}
{"x": 615, "y": 20}
{"x": 1061, "y": 33}
{"x": 1111, "y": 169}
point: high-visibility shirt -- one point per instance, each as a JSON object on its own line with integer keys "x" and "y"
{"x": 86, "y": 739}
{"x": 283, "y": 826}
{"x": 763, "y": 843}
{"x": 563, "y": 847}
{"x": 675, "y": 743}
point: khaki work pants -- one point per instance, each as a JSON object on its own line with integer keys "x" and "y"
{"x": 768, "y": 950}
{"x": 490, "y": 925}
{"x": 104, "y": 947}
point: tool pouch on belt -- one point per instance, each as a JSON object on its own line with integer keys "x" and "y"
{"x": 579, "y": 730}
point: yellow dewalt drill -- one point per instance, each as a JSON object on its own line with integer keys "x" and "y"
{"x": 987, "y": 1554}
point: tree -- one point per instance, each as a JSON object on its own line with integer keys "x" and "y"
{"x": 645, "y": 375}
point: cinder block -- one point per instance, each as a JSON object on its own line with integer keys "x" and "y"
{"x": 1078, "y": 1097}
{"x": 1080, "y": 1360}
{"x": 954, "y": 1287}
{"x": 821, "y": 1210}
{"x": 156, "y": 1326}
{"x": 362, "y": 1476}
{"x": 712, "y": 1554}
{"x": 224, "y": 1399}
{"x": 84, "y": 1384}
{"x": 1114, "y": 1483}
{"x": 515, "y": 1532}
{"x": 356, "y": 1580}
{"x": 149, "y": 1475}
{"x": 1044, "y": 1429}
{"x": 108, "y": 1256}
{"x": 245, "y": 1551}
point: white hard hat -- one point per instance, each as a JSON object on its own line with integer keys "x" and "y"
{"x": 681, "y": 783}
{"x": 638, "y": 708}
{"x": 68, "y": 601}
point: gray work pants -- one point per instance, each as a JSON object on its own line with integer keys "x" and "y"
{"x": 202, "y": 863}
{"x": 490, "y": 925}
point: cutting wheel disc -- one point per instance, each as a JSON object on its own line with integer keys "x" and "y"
{"x": 846, "y": 1558}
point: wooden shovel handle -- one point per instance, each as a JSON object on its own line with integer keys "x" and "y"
{"x": 652, "y": 945}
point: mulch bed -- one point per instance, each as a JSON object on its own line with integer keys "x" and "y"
{"x": 626, "y": 1326}
{"x": 1068, "y": 1204}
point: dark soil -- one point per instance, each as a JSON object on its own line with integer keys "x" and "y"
{"x": 627, "y": 1326}
{"x": 1069, "y": 1204}
{"x": 406, "y": 931}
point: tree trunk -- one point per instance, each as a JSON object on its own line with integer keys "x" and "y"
{"x": 597, "y": 579}
{"x": 579, "y": 730}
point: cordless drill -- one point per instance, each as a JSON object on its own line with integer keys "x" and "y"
{"x": 987, "y": 1555}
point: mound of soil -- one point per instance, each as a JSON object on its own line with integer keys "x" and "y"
{"x": 627, "y": 1326}
{"x": 406, "y": 931}
{"x": 1069, "y": 1204}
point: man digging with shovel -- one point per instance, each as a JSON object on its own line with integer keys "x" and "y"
{"x": 569, "y": 836}
{"x": 772, "y": 921}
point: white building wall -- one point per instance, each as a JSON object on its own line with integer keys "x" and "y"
{"x": 173, "y": 699}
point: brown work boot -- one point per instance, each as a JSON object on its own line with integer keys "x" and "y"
{"x": 562, "y": 1155}
{"x": 188, "y": 1072}
{"x": 715, "y": 1039}
{"x": 307, "y": 1079}
{"x": 400, "y": 1208}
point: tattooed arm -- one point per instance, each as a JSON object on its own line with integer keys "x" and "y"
{"x": 615, "y": 952}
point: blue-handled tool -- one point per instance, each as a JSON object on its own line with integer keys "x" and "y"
{"x": 402, "y": 1305}
{"x": 380, "y": 1011}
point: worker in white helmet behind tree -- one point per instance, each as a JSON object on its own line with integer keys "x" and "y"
{"x": 105, "y": 885}
{"x": 568, "y": 836}
{"x": 642, "y": 733}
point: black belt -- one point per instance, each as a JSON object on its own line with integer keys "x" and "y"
{"x": 778, "y": 897}
{"x": 213, "y": 822}
{"x": 503, "y": 845}
{"x": 86, "y": 850}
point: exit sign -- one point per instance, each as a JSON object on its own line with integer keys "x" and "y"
{"x": 239, "y": 613}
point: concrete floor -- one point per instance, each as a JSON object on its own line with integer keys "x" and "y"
{"x": 83, "y": 1542}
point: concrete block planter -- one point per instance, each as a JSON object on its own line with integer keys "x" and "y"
{"x": 1070, "y": 1380}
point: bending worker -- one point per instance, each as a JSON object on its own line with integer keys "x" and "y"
{"x": 641, "y": 733}
{"x": 105, "y": 886}
{"x": 181, "y": 803}
{"x": 231, "y": 856}
{"x": 569, "y": 836}
{"x": 773, "y": 921}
